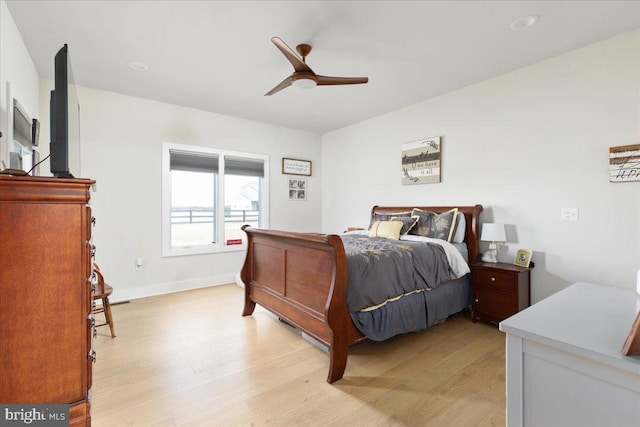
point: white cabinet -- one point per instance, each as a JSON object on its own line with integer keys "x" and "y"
{"x": 564, "y": 360}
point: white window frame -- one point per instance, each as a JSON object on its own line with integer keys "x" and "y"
{"x": 220, "y": 245}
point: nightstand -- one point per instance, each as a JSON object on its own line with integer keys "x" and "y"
{"x": 353, "y": 229}
{"x": 499, "y": 290}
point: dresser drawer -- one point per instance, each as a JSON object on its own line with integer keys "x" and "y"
{"x": 495, "y": 279}
{"x": 90, "y": 220}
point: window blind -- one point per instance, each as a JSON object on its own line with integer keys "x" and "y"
{"x": 243, "y": 166}
{"x": 193, "y": 162}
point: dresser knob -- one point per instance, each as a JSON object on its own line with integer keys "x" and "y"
{"x": 493, "y": 279}
{"x": 476, "y": 299}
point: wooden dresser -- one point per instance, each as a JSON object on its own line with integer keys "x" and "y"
{"x": 46, "y": 328}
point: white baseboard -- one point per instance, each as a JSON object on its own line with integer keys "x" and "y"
{"x": 125, "y": 294}
{"x": 240, "y": 283}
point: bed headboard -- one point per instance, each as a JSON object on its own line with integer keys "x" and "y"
{"x": 471, "y": 214}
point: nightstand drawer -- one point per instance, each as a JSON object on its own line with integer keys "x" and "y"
{"x": 495, "y": 279}
{"x": 494, "y": 306}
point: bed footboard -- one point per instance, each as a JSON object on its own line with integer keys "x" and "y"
{"x": 302, "y": 278}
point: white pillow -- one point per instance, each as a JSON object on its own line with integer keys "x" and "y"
{"x": 461, "y": 228}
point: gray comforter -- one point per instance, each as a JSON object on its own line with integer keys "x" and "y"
{"x": 382, "y": 269}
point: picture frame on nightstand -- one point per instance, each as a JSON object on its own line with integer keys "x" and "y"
{"x": 523, "y": 258}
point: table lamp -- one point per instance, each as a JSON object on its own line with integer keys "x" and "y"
{"x": 493, "y": 233}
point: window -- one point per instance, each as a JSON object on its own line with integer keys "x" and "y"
{"x": 208, "y": 194}
{"x": 22, "y": 151}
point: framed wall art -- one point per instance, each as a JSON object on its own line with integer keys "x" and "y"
{"x": 421, "y": 161}
{"x": 297, "y": 189}
{"x": 624, "y": 163}
{"x": 296, "y": 167}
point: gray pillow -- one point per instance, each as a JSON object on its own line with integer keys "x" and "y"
{"x": 408, "y": 222}
{"x": 387, "y": 216}
{"x": 431, "y": 224}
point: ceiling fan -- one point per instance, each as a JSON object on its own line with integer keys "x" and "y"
{"x": 303, "y": 74}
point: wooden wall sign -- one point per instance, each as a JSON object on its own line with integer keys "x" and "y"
{"x": 421, "y": 161}
{"x": 296, "y": 167}
{"x": 624, "y": 163}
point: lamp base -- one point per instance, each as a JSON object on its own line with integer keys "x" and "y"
{"x": 490, "y": 256}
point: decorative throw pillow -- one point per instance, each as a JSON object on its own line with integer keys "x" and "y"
{"x": 408, "y": 222}
{"x": 387, "y": 216}
{"x": 386, "y": 229}
{"x": 431, "y": 224}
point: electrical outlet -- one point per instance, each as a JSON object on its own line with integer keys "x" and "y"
{"x": 139, "y": 264}
{"x": 569, "y": 214}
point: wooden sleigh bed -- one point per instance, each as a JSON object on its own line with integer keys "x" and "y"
{"x": 302, "y": 278}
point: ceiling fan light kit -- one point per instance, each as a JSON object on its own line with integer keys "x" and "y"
{"x": 305, "y": 83}
{"x": 524, "y": 22}
{"x": 303, "y": 76}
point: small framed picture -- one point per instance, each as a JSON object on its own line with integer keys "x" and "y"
{"x": 296, "y": 167}
{"x": 297, "y": 189}
{"x": 523, "y": 258}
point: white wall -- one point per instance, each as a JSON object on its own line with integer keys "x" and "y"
{"x": 524, "y": 145}
{"x": 121, "y": 149}
{"x": 18, "y": 79}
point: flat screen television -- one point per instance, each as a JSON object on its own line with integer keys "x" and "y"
{"x": 65, "y": 117}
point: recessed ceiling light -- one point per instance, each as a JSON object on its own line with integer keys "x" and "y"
{"x": 138, "y": 66}
{"x": 524, "y": 22}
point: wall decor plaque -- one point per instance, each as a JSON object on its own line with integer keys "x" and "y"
{"x": 624, "y": 163}
{"x": 421, "y": 161}
{"x": 296, "y": 167}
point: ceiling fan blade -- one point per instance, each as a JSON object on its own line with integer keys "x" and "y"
{"x": 283, "y": 84}
{"x": 295, "y": 60}
{"x": 327, "y": 80}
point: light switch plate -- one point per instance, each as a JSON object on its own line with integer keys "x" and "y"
{"x": 569, "y": 214}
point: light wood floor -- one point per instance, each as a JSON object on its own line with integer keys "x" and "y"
{"x": 191, "y": 359}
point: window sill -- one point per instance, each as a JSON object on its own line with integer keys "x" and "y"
{"x": 202, "y": 250}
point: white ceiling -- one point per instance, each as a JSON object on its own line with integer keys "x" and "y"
{"x": 217, "y": 55}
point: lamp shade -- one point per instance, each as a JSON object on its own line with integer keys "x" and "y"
{"x": 493, "y": 233}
